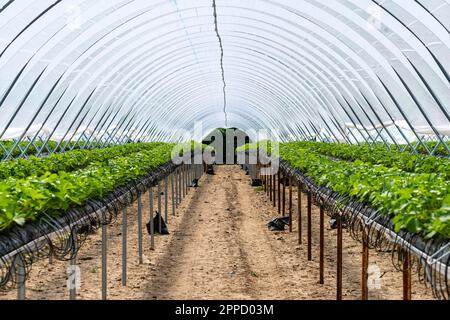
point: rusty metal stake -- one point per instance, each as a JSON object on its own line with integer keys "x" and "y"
{"x": 406, "y": 275}
{"x": 309, "y": 227}
{"x": 322, "y": 244}
{"x": 365, "y": 267}
{"x": 284, "y": 195}
{"x": 269, "y": 186}
{"x": 172, "y": 187}
{"x": 152, "y": 224}
{"x": 265, "y": 183}
{"x": 339, "y": 260}
{"x": 279, "y": 192}
{"x": 299, "y": 203}
{"x": 274, "y": 190}
{"x": 290, "y": 204}
{"x": 159, "y": 208}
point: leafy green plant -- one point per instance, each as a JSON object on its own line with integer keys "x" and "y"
{"x": 27, "y": 199}
{"x": 381, "y": 155}
{"x": 413, "y": 191}
{"x": 68, "y": 161}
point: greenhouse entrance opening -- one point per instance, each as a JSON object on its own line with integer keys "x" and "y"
{"x": 225, "y": 143}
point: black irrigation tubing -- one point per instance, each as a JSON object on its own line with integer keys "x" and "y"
{"x": 61, "y": 238}
{"x": 431, "y": 257}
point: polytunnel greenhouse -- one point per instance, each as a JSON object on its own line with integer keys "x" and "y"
{"x": 225, "y": 150}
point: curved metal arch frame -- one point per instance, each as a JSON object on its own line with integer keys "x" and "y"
{"x": 168, "y": 85}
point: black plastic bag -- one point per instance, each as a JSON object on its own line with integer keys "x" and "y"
{"x": 194, "y": 183}
{"x": 334, "y": 224}
{"x": 256, "y": 182}
{"x": 164, "y": 229}
{"x": 210, "y": 170}
{"x": 278, "y": 224}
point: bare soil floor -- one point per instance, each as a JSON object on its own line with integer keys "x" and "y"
{"x": 219, "y": 248}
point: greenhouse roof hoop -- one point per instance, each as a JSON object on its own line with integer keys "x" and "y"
{"x": 119, "y": 70}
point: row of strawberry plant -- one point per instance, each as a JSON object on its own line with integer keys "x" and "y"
{"x": 69, "y": 161}
{"x": 269, "y": 147}
{"x": 29, "y": 199}
{"x": 417, "y": 202}
{"x": 381, "y": 155}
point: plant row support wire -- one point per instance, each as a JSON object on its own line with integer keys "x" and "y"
{"x": 431, "y": 258}
{"x": 61, "y": 239}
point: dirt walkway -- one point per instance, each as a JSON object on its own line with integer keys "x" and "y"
{"x": 219, "y": 248}
{"x": 222, "y": 251}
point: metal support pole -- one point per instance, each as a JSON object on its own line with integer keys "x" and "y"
{"x": 365, "y": 267}
{"x": 186, "y": 180}
{"x": 104, "y": 258}
{"x": 265, "y": 183}
{"x": 180, "y": 175}
{"x": 177, "y": 175}
{"x": 189, "y": 178}
{"x": 279, "y": 192}
{"x": 172, "y": 187}
{"x": 140, "y": 249}
{"x": 270, "y": 187}
{"x": 299, "y": 204}
{"x": 284, "y": 195}
{"x": 274, "y": 190}
{"x": 191, "y": 175}
{"x": 152, "y": 225}
{"x": 406, "y": 275}
{"x": 159, "y": 208}
{"x": 339, "y": 259}
{"x": 290, "y": 204}
{"x": 21, "y": 279}
{"x": 124, "y": 246}
{"x": 322, "y": 244}
{"x": 309, "y": 227}
{"x": 73, "y": 277}
{"x": 166, "y": 199}
{"x": 183, "y": 180}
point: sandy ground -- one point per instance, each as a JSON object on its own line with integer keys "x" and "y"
{"x": 219, "y": 248}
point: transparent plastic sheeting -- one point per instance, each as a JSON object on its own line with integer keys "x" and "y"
{"x": 307, "y": 68}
